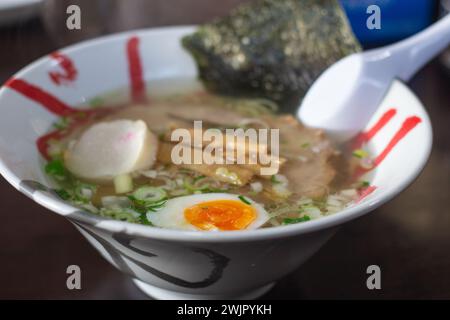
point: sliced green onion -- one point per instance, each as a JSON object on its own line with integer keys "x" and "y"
{"x": 365, "y": 184}
{"x": 56, "y": 169}
{"x": 149, "y": 194}
{"x": 212, "y": 190}
{"x": 84, "y": 191}
{"x": 144, "y": 219}
{"x": 296, "y": 220}
{"x": 274, "y": 180}
{"x": 306, "y": 145}
{"x": 156, "y": 206}
{"x": 62, "y": 123}
{"x": 360, "y": 154}
{"x": 244, "y": 200}
{"x": 199, "y": 178}
{"x": 115, "y": 202}
{"x": 55, "y": 149}
{"x": 281, "y": 190}
{"x": 63, "y": 194}
{"x": 125, "y": 214}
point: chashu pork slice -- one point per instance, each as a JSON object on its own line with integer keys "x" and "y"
{"x": 109, "y": 149}
{"x": 309, "y": 168}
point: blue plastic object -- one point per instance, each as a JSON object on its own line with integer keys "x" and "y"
{"x": 399, "y": 19}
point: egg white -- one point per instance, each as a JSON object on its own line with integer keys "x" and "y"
{"x": 171, "y": 216}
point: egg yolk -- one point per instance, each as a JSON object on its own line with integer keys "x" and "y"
{"x": 220, "y": 214}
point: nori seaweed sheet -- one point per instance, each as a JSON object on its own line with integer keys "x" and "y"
{"x": 273, "y": 49}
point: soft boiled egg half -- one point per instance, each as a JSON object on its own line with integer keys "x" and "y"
{"x": 210, "y": 212}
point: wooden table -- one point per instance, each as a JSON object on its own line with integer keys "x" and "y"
{"x": 409, "y": 238}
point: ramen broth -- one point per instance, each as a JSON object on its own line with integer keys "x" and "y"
{"x": 313, "y": 180}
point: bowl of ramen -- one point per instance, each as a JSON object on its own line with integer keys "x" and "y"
{"x": 192, "y": 190}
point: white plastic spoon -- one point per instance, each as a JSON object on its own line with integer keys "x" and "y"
{"x": 344, "y": 98}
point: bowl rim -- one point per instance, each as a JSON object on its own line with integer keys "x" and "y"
{"x": 78, "y": 216}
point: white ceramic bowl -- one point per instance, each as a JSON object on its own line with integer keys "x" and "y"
{"x": 184, "y": 264}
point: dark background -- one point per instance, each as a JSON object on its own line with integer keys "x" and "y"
{"x": 409, "y": 238}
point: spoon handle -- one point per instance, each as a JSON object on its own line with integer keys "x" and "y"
{"x": 410, "y": 55}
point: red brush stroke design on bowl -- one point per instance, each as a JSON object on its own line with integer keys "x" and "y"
{"x": 77, "y": 117}
{"x": 68, "y": 72}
